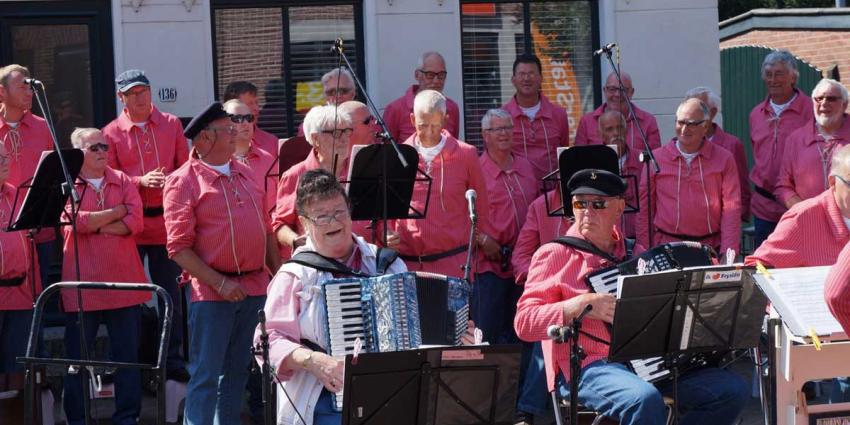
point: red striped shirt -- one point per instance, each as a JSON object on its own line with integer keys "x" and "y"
{"x": 397, "y": 116}
{"x": 539, "y": 228}
{"x": 260, "y": 162}
{"x": 806, "y": 163}
{"x": 538, "y": 140}
{"x": 15, "y": 259}
{"x": 837, "y": 289}
{"x": 736, "y": 148}
{"x": 266, "y": 141}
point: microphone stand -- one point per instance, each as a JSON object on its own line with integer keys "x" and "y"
{"x": 577, "y": 355}
{"x": 646, "y": 157}
{"x": 467, "y": 267}
{"x": 262, "y": 349}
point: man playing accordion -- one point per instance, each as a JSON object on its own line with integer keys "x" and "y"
{"x": 556, "y": 292}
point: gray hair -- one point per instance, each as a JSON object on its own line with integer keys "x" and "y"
{"x": 706, "y": 112}
{"x": 429, "y": 102}
{"x": 495, "y": 113}
{"x": 829, "y": 82}
{"x": 781, "y": 56}
{"x": 233, "y": 103}
{"x": 82, "y": 133}
{"x": 613, "y": 113}
{"x": 840, "y": 160}
{"x": 421, "y": 62}
{"x": 335, "y": 73}
{"x": 324, "y": 117}
{"x": 712, "y": 97}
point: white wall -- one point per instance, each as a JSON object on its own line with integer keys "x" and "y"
{"x": 668, "y": 47}
{"x": 172, "y": 45}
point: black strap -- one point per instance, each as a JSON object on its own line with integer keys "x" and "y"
{"x": 692, "y": 238}
{"x": 583, "y": 245}
{"x": 13, "y": 281}
{"x": 434, "y": 257}
{"x": 384, "y": 259}
{"x": 764, "y": 192}
{"x": 319, "y": 262}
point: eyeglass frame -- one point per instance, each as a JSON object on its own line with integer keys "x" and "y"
{"x": 431, "y": 75}
{"x": 326, "y": 219}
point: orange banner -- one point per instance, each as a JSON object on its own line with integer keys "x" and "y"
{"x": 559, "y": 80}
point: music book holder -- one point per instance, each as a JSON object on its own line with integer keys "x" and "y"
{"x": 375, "y": 171}
{"x": 441, "y": 385}
{"x": 292, "y": 151}
{"x": 45, "y": 201}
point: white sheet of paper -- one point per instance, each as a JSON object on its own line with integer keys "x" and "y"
{"x": 797, "y": 294}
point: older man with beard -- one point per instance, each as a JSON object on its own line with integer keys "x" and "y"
{"x": 808, "y": 151}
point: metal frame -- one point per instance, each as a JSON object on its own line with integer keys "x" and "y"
{"x": 30, "y": 360}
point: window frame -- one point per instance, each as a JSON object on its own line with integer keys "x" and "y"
{"x": 284, "y": 5}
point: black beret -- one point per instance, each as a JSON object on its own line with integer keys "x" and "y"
{"x": 211, "y": 113}
{"x": 596, "y": 182}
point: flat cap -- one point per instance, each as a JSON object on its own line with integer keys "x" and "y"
{"x": 211, "y": 113}
{"x": 596, "y": 182}
{"x": 131, "y": 78}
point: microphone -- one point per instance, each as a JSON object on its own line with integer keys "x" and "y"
{"x": 555, "y": 332}
{"x": 32, "y": 82}
{"x": 605, "y": 49}
{"x": 337, "y": 46}
{"x": 470, "y": 202}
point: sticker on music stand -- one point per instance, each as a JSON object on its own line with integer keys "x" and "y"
{"x": 641, "y": 266}
{"x": 358, "y": 346}
{"x": 479, "y": 336}
{"x": 730, "y": 256}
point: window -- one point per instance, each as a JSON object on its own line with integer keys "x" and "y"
{"x": 562, "y": 34}
{"x": 284, "y": 51}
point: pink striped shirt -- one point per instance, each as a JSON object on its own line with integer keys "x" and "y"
{"x": 266, "y": 141}
{"x": 806, "y": 161}
{"x": 136, "y": 152}
{"x": 837, "y": 289}
{"x": 767, "y": 135}
{"x": 260, "y": 162}
{"x": 538, "y": 140}
{"x": 588, "y": 133}
{"x": 397, "y": 116}
{"x": 221, "y": 219}
{"x": 539, "y": 228}
{"x": 446, "y": 224}
{"x": 557, "y": 274}
{"x": 510, "y": 193}
{"x": 811, "y": 233}
{"x": 105, "y": 257}
{"x": 701, "y": 200}
{"x": 15, "y": 259}
{"x": 736, "y": 148}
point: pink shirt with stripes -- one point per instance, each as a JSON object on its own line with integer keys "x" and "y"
{"x": 538, "y": 140}
{"x": 702, "y": 199}
{"x": 221, "y": 219}
{"x": 105, "y": 257}
{"x": 446, "y": 224}
{"x": 510, "y": 193}
{"x": 539, "y": 228}
{"x": 266, "y": 141}
{"x": 397, "y": 116}
{"x": 557, "y": 274}
{"x": 768, "y": 133}
{"x": 837, "y": 289}
{"x": 15, "y": 259}
{"x": 137, "y": 151}
{"x": 811, "y": 233}
{"x": 587, "y": 133}
{"x": 807, "y": 159}
{"x": 736, "y": 148}
{"x": 260, "y": 162}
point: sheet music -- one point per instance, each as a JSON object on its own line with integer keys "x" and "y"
{"x": 355, "y": 149}
{"x": 797, "y": 294}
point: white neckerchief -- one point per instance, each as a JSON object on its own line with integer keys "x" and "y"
{"x": 13, "y": 125}
{"x": 97, "y": 183}
{"x": 846, "y": 221}
{"x": 532, "y": 111}
{"x": 777, "y": 108}
{"x": 428, "y": 154}
{"x": 222, "y": 169}
{"x": 141, "y": 125}
{"x": 689, "y": 157}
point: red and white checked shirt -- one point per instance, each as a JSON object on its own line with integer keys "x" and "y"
{"x": 221, "y": 219}
{"x": 539, "y": 228}
{"x": 811, "y": 233}
{"x": 266, "y": 141}
{"x": 105, "y": 257}
{"x": 538, "y": 140}
{"x": 736, "y": 148}
{"x": 837, "y": 289}
{"x": 15, "y": 259}
{"x": 397, "y": 116}
{"x": 260, "y": 162}
{"x": 136, "y": 152}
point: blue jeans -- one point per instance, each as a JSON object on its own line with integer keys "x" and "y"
{"x": 14, "y": 334}
{"x": 706, "y": 396}
{"x": 763, "y": 229}
{"x": 220, "y": 336}
{"x": 533, "y": 393}
{"x": 164, "y": 273}
{"x": 122, "y": 324}
{"x": 494, "y": 306}
{"x": 324, "y": 413}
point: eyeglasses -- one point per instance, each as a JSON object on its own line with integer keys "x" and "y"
{"x": 846, "y": 183}
{"x": 500, "y": 129}
{"x": 324, "y": 220}
{"x": 368, "y": 120}
{"x": 339, "y": 132}
{"x": 597, "y": 204}
{"x": 614, "y": 89}
{"x": 249, "y": 118}
{"x": 432, "y": 75}
{"x": 685, "y": 123}
{"x": 527, "y": 75}
{"x": 822, "y": 99}
{"x": 99, "y": 147}
{"x": 342, "y": 91}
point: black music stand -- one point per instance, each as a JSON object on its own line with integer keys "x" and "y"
{"x": 679, "y": 312}
{"x": 292, "y": 151}
{"x": 445, "y": 385}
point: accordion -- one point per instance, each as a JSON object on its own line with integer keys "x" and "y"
{"x": 667, "y": 256}
{"x": 394, "y": 312}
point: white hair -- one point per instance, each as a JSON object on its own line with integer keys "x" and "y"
{"x": 613, "y": 113}
{"x": 429, "y": 102}
{"x": 780, "y": 56}
{"x": 232, "y": 103}
{"x": 712, "y": 97}
{"x": 840, "y": 160}
{"x": 324, "y": 117}
{"x": 421, "y": 62}
{"x": 495, "y": 113}
{"x": 82, "y": 133}
{"x": 334, "y": 73}
{"x": 351, "y": 106}
{"x": 706, "y": 112}
{"x": 829, "y": 82}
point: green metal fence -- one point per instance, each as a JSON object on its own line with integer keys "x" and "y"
{"x": 742, "y": 87}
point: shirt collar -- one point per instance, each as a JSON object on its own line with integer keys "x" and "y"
{"x": 706, "y": 151}
{"x": 27, "y": 120}
{"x": 125, "y": 123}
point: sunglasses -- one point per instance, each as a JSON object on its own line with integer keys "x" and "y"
{"x": 597, "y": 204}
{"x": 342, "y": 91}
{"x": 99, "y": 147}
{"x": 249, "y": 118}
{"x": 368, "y": 120}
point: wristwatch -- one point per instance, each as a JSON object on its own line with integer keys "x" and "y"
{"x": 307, "y": 359}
